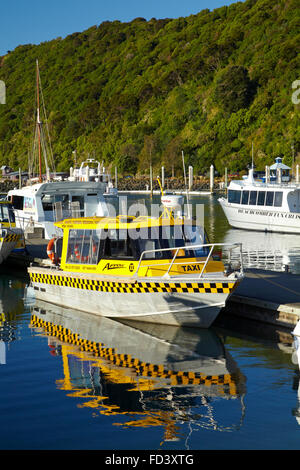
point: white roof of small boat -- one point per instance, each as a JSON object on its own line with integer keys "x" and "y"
{"x": 60, "y": 186}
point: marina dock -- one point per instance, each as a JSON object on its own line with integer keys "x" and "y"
{"x": 267, "y": 296}
{"x": 264, "y": 296}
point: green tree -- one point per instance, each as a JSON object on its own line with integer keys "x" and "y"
{"x": 234, "y": 89}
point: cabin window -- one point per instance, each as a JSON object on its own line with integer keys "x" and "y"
{"x": 252, "y": 199}
{"x": 234, "y": 196}
{"x": 64, "y": 199}
{"x": 17, "y": 202}
{"x": 84, "y": 246}
{"x": 278, "y": 199}
{"x": 269, "y": 198}
{"x": 261, "y": 198}
{"x": 172, "y": 237}
{"x": 245, "y": 197}
{"x": 48, "y": 201}
{"x": 195, "y": 235}
{"x": 148, "y": 240}
{"x": 117, "y": 244}
{"x": 6, "y": 214}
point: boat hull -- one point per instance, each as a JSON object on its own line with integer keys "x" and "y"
{"x": 7, "y": 244}
{"x": 187, "y": 302}
{"x": 261, "y": 219}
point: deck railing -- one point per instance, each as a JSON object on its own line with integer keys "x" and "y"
{"x": 229, "y": 247}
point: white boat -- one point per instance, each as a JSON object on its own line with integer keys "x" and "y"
{"x": 42, "y": 204}
{"x": 272, "y": 204}
{"x": 10, "y": 235}
{"x": 92, "y": 170}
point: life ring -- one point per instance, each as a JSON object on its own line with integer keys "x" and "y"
{"x": 82, "y": 259}
{"x": 76, "y": 252}
{"x": 51, "y": 251}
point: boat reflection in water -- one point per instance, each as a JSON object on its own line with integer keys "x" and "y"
{"x": 267, "y": 250}
{"x": 11, "y": 308}
{"x": 153, "y": 374}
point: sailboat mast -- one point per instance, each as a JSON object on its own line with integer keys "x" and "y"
{"x": 38, "y": 120}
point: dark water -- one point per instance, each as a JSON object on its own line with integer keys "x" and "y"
{"x": 74, "y": 381}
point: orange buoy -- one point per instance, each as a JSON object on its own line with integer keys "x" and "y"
{"x": 51, "y": 251}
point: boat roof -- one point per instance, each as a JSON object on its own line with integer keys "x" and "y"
{"x": 278, "y": 164}
{"x": 59, "y": 186}
{"x": 282, "y": 166}
{"x": 121, "y": 222}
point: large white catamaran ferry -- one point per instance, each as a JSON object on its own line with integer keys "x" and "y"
{"x": 270, "y": 204}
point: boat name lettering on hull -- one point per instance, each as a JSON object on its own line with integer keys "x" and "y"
{"x": 109, "y": 266}
{"x": 284, "y": 215}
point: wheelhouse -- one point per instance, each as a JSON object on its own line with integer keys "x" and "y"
{"x": 121, "y": 245}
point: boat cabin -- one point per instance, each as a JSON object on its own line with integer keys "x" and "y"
{"x": 45, "y": 203}
{"x": 126, "y": 245}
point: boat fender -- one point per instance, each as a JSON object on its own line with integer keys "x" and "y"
{"x": 51, "y": 251}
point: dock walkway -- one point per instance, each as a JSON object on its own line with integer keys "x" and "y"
{"x": 267, "y": 296}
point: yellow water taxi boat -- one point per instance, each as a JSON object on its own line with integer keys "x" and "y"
{"x": 10, "y": 236}
{"x": 152, "y": 269}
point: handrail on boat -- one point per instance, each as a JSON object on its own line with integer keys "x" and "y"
{"x": 190, "y": 247}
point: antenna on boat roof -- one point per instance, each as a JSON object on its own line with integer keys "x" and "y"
{"x": 252, "y": 158}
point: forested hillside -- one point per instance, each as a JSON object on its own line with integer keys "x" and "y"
{"x": 209, "y": 84}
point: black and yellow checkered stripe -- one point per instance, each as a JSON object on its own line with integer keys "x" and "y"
{"x": 228, "y": 382}
{"x": 135, "y": 287}
{"x": 11, "y": 237}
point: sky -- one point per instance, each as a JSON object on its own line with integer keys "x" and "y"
{"x": 35, "y": 21}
